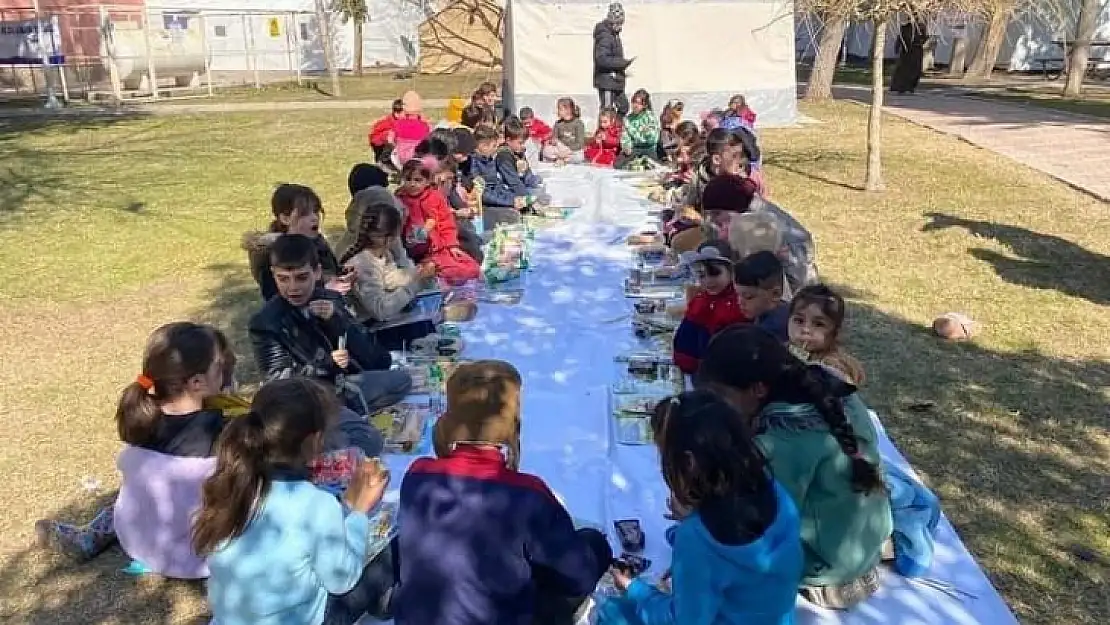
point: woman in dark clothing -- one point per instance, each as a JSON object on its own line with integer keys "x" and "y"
{"x": 911, "y": 57}
{"x": 609, "y": 62}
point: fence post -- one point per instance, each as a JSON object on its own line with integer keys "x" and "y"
{"x": 151, "y": 73}
{"x": 247, "y": 19}
{"x": 207, "y": 53}
{"x": 296, "y": 34}
{"x": 107, "y": 36}
{"x": 51, "y": 97}
{"x": 288, "y": 41}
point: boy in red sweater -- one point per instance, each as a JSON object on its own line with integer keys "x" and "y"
{"x": 538, "y": 131}
{"x": 382, "y": 137}
{"x": 715, "y": 306}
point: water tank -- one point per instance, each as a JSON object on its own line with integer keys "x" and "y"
{"x": 177, "y": 51}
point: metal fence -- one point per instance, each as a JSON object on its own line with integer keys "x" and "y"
{"x": 119, "y": 52}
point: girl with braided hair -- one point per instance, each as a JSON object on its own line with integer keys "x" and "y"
{"x": 818, "y": 437}
{"x": 386, "y": 280}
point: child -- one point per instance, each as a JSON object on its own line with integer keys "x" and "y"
{"x": 447, "y": 181}
{"x": 738, "y": 115}
{"x": 168, "y": 441}
{"x": 474, "y": 115}
{"x": 816, "y": 319}
{"x": 724, "y": 155}
{"x": 715, "y": 306}
{"x": 307, "y": 331}
{"x": 386, "y": 278}
{"x": 759, "y": 279}
{"x": 606, "y": 143}
{"x": 537, "y": 130}
{"x": 281, "y": 550}
{"x": 410, "y": 129}
{"x": 382, "y": 135}
{"x": 822, "y": 447}
{"x": 297, "y": 210}
{"x": 737, "y": 555}
{"x": 569, "y": 138}
{"x": 363, "y": 176}
{"x": 668, "y": 125}
{"x": 430, "y": 234}
{"x": 512, "y": 164}
{"x": 470, "y": 506}
{"x": 500, "y": 204}
{"x": 486, "y": 96}
{"x": 640, "y": 138}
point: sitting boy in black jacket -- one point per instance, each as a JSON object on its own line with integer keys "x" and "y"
{"x": 308, "y": 331}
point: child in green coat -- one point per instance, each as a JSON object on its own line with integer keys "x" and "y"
{"x": 640, "y": 138}
{"x": 822, "y": 446}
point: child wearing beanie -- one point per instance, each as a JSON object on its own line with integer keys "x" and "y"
{"x": 481, "y": 541}
{"x": 409, "y": 129}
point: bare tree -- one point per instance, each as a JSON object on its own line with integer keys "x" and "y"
{"x": 324, "y": 26}
{"x": 997, "y": 14}
{"x": 819, "y": 85}
{"x": 354, "y": 11}
{"x": 874, "y": 179}
{"x": 1080, "y": 51}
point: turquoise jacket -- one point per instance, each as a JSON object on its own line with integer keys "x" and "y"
{"x": 842, "y": 531}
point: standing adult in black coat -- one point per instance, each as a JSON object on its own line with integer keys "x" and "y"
{"x": 912, "y": 38}
{"x": 609, "y": 62}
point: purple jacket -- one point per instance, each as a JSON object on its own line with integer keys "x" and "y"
{"x": 154, "y": 511}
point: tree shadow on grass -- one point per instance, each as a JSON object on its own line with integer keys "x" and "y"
{"x": 41, "y": 588}
{"x": 1044, "y": 261}
{"x": 803, "y": 165}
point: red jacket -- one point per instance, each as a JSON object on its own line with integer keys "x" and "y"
{"x": 603, "y": 150}
{"x": 439, "y": 244}
{"x": 379, "y": 132}
{"x": 706, "y": 315}
{"x": 538, "y": 130}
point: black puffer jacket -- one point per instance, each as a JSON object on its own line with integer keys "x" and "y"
{"x": 288, "y": 343}
{"x": 609, "y": 61}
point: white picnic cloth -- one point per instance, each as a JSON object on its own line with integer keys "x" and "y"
{"x": 563, "y": 337}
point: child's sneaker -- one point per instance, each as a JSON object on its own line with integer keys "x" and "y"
{"x": 75, "y": 542}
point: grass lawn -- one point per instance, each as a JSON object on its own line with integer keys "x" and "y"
{"x": 109, "y": 228}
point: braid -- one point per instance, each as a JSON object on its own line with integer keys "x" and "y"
{"x": 865, "y": 475}
{"x": 361, "y": 241}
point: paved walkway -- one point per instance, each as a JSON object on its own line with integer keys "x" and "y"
{"x": 190, "y": 108}
{"x": 1072, "y": 148}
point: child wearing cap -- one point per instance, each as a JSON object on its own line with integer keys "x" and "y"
{"x": 759, "y": 279}
{"x": 481, "y": 541}
{"x": 410, "y": 128}
{"x": 714, "y": 306}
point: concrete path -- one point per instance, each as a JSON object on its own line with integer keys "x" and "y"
{"x": 1072, "y": 148}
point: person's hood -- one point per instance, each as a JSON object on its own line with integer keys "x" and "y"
{"x": 777, "y": 554}
{"x": 603, "y": 29}
{"x": 257, "y": 241}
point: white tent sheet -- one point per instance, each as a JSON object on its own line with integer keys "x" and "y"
{"x": 701, "y": 52}
{"x": 563, "y": 337}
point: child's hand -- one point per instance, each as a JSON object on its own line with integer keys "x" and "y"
{"x": 621, "y": 578}
{"x": 464, "y": 213}
{"x": 520, "y": 202}
{"x": 322, "y": 308}
{"x": 341, "y": 358}
{"x": 429, "y": 224}
{"x": 426, "y": 271}
{"x": 367, "y": 485}
{"x": 339, "y": 284}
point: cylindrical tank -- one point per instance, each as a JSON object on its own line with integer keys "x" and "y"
{"x": 178, "y": 53}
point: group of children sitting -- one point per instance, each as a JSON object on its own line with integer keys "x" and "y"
{"x": 776, "y": 484}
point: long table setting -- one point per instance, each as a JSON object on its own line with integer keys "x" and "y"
{"x": 572, "y": 337}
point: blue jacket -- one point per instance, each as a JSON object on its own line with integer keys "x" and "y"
{"x": 496, "y": 192}
{"x": 916, "y": 513}
{"x": 776, "y": 321}
{"x": 474, "y": 531}
{"x": 715, "y": 584}
{"x": 297, "y": 550}
{"x": 522, "y": 183}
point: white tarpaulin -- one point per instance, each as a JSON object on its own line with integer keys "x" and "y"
{"x": 20, "y": 42}
{"x": 698, "y": 51}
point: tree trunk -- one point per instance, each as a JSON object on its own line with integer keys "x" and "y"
{"x": 358, "y": 46}
{"x": 874, "y": 181}
{"x": 1081, "y": 48}
{"x": 819, "y": 86}
{"x": 991, "y": 43}
{"x": 323, "y": 24}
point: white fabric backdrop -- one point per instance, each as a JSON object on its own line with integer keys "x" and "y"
{"x": 698, "y": 51}
{"x": 563, "y": 337}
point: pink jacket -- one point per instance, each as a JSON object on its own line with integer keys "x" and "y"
{"x": 408, "y": 133}
{"x": 154, "y": 511}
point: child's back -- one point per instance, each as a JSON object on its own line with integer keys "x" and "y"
{"x": 296, "y": 550}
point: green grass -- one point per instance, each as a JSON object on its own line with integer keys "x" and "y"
{"x": 1095, "y": 103}
{"x": 109, "y": 228}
